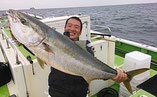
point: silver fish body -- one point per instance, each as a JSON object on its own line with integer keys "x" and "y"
{"x": 59, "y": 51}
{"x": 55, "y": 49}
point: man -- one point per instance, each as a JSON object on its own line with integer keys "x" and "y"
{"x": 66, "y": 85}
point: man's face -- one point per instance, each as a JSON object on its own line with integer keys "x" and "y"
{"x": 73, "y": 28}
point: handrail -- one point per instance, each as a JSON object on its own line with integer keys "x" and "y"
{"x": 103, "y": 27}
{"x": 10, "y": 43}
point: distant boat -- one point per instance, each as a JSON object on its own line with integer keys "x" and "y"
{"x": 32, "y": 8}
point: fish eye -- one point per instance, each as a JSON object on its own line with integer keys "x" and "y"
{"x": 23, "y": 21}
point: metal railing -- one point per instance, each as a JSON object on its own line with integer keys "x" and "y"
{"x": 9, "y": 43}
{"x": 102, "y": 33}
{"x": 105, "y": 27}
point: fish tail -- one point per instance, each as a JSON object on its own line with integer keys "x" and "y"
{"x": 127, "y": 85}
{"x": 131, "y": 74}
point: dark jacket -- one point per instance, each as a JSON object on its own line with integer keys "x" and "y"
{"x": 63, "y": 82}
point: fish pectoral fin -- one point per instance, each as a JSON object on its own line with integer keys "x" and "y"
{"x": 130, "y": 75}
{"x": 41, "y": 62}
{"x": 47, "y": 48}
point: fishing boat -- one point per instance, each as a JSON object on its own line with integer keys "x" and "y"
{"x": 29, "y": 80}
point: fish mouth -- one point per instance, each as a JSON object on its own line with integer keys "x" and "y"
{"x": 13, "y": 13}
{"x": 29, "y": 34}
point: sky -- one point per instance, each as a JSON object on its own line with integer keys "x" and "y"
{"x": 42, "y": 4}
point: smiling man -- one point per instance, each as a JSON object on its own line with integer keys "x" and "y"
{"x": 66, "y": 85}
{"x": 73, "y": 28}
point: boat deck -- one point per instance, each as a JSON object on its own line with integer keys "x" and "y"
{"x": 118, "y": 62}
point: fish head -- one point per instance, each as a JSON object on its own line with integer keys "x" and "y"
{"x": 26, "y": 29}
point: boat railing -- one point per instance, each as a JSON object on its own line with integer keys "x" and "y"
{"x": 9, "y": 43}
{"x": 140, "y": 45}
{"x": 105, "y": 27}
{"x": 93, "y": 33}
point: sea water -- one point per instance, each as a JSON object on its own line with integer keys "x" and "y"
{"x": 135, "y": 22}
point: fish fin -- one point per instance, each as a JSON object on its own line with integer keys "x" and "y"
{"x": 47, "y": 47}
{"x": 88, "y": 80}
{"x": 41, "y": 62}
{"x": 136, "y": 72}
{"x": 81, "y": 44}
{"x": 127, "y": 85}
{"x": 131, "y": 74}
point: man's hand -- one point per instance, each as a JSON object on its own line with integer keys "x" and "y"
{"x": 121, "y": 76}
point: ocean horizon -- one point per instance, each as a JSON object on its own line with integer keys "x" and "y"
{"x": 135, "y": 22}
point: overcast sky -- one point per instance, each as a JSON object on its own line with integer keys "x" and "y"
{"x": 26, "y": 4}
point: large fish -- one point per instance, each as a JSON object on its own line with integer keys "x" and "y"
{"x": 59, "y": 51}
